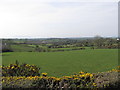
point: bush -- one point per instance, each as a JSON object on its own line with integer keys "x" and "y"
{"x": 20, "y": 70}
{"x": 81, "y": 80}
{"x": 92, "y": 81}
{"x": 6, "y": 48}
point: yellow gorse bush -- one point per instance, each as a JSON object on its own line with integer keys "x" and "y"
{"x": 39, "y": 77}
{"x": 44, "y": 73}
{"x": 44, "y": 79}
{"x": 20, "y": 70}
{"x": 81, "y": 79}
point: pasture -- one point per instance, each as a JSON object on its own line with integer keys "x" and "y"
{"x": 67, "y": 62}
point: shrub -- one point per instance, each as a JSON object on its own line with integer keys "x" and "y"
{"x": 20, "y": 70}
{"x": 6, "y": 48}
{"x": 93, "y": 81}
{"x": 81, "y": 80}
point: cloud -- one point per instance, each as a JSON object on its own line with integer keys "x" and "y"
{"x": 44, "y": 1}
{"x": 57, "y": 19}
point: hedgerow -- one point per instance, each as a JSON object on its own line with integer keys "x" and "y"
{"x": 33, "y": 79}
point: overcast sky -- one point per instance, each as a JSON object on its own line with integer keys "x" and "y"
{"x": 58, "y": 18}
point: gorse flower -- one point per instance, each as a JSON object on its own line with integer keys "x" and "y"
{"x": 20, "y": 70}
{"x": 94, "y": 84}
{"x": 81, "y": 72}
{"x": 44, "y": 74}
{"x": 14, "y": 73}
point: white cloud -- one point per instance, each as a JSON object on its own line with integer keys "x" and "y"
{"x": 38, "y": 19}
{"x": 26, "y": 1}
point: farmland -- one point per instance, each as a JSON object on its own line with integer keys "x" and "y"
{"x": 67, "y": 62}
{"x": 60, "y": 63}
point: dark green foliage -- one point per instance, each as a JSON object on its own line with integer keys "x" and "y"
{"x": 46, "y": 45}
{"x": 6, "y": 48}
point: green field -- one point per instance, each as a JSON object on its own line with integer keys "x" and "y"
{"x": 67, "y": 62}
{"x": 20, "y": 48}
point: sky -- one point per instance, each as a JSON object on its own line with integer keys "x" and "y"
{"x": 58, "y": 18}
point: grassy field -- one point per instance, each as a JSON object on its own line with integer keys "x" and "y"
{"x": 67, "y": 62}
{"x": 21, "y": 48}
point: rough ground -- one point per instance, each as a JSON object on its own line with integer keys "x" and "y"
{"x": 107, "y": 79}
